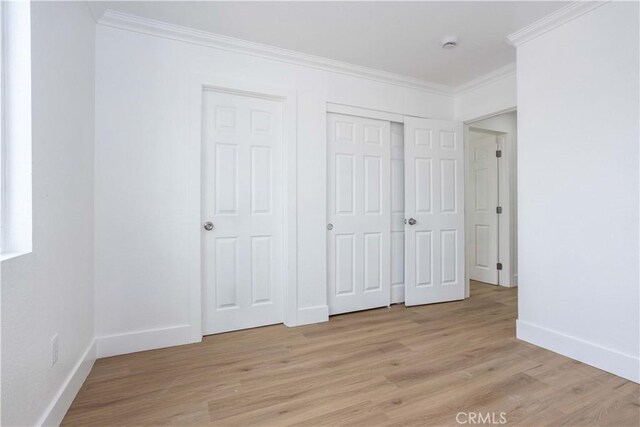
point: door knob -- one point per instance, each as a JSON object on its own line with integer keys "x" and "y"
{"x": 412, "y": 221}
{"x": 208, "y": 226}
{"x": 329, "y": 226}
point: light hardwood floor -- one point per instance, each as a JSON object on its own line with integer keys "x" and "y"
{"x": 396, "y": 366}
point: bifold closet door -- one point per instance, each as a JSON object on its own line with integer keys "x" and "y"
{"x": 434, "y": 209}
{"x": 242, "y": 185}
{"x": 359, "y": 210}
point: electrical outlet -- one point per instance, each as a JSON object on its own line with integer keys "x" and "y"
{"x": 54, "y": 349}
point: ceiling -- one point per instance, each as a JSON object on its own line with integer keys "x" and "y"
{"x": 398, "y": 37}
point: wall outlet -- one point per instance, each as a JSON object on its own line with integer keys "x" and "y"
{"x": 54, "y": 349}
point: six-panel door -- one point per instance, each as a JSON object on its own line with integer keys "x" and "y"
{"x": 243, "y": 198}
{"x": 434, "y": 197}
{"x": 483, "y": 233}
{"x": 358, "y": 180}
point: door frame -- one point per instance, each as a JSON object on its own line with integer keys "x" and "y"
{"x": 288, "y": 97}
{"x": 505, "y": 184}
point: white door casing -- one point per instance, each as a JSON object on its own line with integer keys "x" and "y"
{"x": 358, "y": 187}
{"x": 483, "y": 218}
{"x": 434, "y": 198}
{"x": 243, "y": 256}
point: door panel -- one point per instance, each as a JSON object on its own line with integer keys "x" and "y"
{"x": 424, "y": 258}
{"x": 243, "y": 196}
{"x": 434, "y": 244}
{"x": 397, "y": 212}
{"x": 483, "y": 219}
{"x": 372, "y": 261}
{"x": 359, "y": 209}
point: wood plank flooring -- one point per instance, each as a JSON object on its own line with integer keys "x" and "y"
{"x": 417, "y": 366}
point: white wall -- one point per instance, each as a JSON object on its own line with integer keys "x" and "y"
{"x": 507, "y": 123}
{"x": 487, "y": 95}
{"x": 50, "y": 290}
{"x": 578, "y": 189}
{"x": 144, "y": 258}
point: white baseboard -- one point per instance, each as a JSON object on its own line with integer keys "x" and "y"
{"x": 621, "y": 364}
{"x": 316, "y": 314}
{"x": 397, "y": 293}
{"x": 60, "y": 404}
{"x": 131, "y": 342}
{"x": 509, "y": 285}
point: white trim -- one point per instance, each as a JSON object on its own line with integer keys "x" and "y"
{"x": 152, "y": 27}
{"x": 466, "y": 146}
{"x": 560, "y": 17}
{"x": 3, "y": 203}
{"x": 6, "y": 256}
{"x": 166, "y": 30}
{"x": 491, "y": 77}
{"x": 351, "y": 110}
{"x": 487, "y": 116}
{"x": 60, "y": 404}
{"x": 132, "y": 342}
{"x": 316, "y": 314}
{"x": 288, "y": 97}
{"x": 505, "y": 144}
{"x": 607, "y": 359}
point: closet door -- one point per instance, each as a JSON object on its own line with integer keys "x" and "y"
{"x": 359, "y": 209}
{"x": 434, "y": 198}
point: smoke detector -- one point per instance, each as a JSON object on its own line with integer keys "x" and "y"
{"x": 449, "y": 42}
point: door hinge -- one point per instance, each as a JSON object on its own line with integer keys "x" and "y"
{"x": 498, "y": 153}
{"x": 499, "y": 266}
{"x": 499, "y": 210}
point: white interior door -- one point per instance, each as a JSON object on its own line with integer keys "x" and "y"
{"x": 359, "y": 210}
{"x": 243, "y": 199}
{"x": 482, "y": 214}
{"x": 434, "y": 208}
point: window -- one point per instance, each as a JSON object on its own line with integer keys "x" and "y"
{"x": 15, "y": 128}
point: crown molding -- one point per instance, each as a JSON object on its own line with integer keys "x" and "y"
{"x": 138, "y": 24}
{"x": 491, "y": 77}
{"x": 560, "y": 17}
{"x": 155, "y": 28}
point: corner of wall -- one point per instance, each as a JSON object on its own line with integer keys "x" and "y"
{"x": 620, "y": 364}
{"x": 61, "y": 402}
{"x": 490, "y": 94}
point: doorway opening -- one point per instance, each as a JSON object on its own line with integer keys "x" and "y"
{"x": 491, "y": 200}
